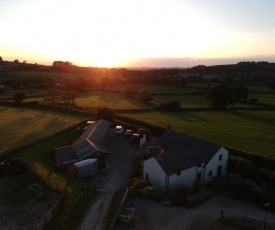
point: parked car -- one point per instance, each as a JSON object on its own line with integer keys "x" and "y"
{"x": 135, "y": 138}
{"x": 119, "y": 129}
{"x": 128, "y": 133}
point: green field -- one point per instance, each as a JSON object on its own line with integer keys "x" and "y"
{"x": 157, "y": 88}
{"x": 20, "y": 126}
{"x": 264, "y": 98}
{"x": 111, "y": 100}
{"x": 251, "y": 131}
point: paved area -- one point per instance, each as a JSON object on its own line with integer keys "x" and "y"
{"x": 150, "y": 215}
{"x": 114, "y": 177}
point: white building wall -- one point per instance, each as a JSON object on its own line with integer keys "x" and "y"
{"x": 214, "y": 163}
{"x": 187, "y": 177}
{"x": 156, "y": 175}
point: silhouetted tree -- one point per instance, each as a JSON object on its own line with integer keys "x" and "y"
{"x": 129, "y": 92}
{"x": 53, "y": 93}
{"x": 220, "y": 96}
{"x": 170, "y": 106}
{"x": 271, "y": 85}
{"x": 240, "y": 92}
{"x": 69, "y": 98}
{"x": 146, "y": 95}
{"x": 19, "y": 97}
{"x": 2, "y": 91}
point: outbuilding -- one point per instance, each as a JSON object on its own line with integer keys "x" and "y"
{"x": 86, "y": 168}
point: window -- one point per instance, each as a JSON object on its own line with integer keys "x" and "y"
{"x": 199, "y": 175}
{"x": 178, "y": 172}
{"x": 210, "y": 173}
{"x": 220, "y": 157}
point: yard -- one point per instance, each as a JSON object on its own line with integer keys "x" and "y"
{"x": 23, "y": 200}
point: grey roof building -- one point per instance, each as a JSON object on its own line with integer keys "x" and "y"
{"x": 179, "y": 151}
{"x": 91, "y": 144}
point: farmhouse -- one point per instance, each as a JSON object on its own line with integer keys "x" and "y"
{"x": 177, "y": 159}
{"x": 91, "y": 144}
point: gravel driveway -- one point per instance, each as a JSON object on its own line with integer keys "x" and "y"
{"x": 114, "y": 177}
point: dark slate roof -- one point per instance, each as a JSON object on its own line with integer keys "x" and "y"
{"x": 182, "y": 152}
{"x": 87, "y": 145}
{"x": 95, "y": 132}
{"x": 66, "y": 155}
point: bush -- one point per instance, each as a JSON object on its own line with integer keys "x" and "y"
{"x": 252, "y": 100}
{"x": 138, "y": 184}
{"x": 170, "y": 106}
{"x": 105, "y": 113}
{"x": 19, "y": 97}
{"x": 244, "y": 167}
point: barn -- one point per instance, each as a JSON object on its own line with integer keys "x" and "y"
{"x": 91, "y": 144}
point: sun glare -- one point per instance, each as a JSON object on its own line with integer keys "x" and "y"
{"x": 109, "y": 33}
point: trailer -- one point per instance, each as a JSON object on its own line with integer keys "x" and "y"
{"x": 86, "y": 168}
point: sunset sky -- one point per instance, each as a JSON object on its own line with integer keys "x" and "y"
{"x": 142, "y": 33}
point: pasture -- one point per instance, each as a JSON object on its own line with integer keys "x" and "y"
{"x": 250, "y": 131}
{"x": 20, "y": 126}
{"x": 111, "y": 100}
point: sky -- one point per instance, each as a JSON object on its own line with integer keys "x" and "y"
{"x": 137, "y": 33}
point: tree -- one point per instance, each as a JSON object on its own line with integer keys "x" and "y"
{"x": 53, "y": 93}
{"x": 19, "y": 97}
{"x": 69, "y": 98}
{"x": 144, "y": 131}
{"x": 16, "y": 61}
{"x": 129, "y": 92}
{"x": 240, "y": 92}
{"x": 105, "y": 113}
{"x": 146, "y": 95}
{"x": 271, "y": 85}
{"x": 1, "y": 59}
{"x": 220, "y": 96}
{"x": 2, "y": 91}
{"x": 170, "y": 106}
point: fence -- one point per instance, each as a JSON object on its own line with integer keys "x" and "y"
{"x": 244, "y": 222}
{"x": 189, "y": 201}
{"x": 124, "y": 199}
{"x": 47, "y": 218}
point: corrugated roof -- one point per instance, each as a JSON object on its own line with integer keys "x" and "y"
{"x": 182, "y": 152}
{"x": 96, "y": 131}
{"x": 87, "y": 145}
{"x": 66, "y": 155}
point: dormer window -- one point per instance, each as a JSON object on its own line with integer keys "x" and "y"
{"x": 220, "y": 157}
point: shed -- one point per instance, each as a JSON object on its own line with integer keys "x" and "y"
{"x": 86, "y": 168}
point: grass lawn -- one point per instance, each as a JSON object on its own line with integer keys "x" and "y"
{"x": 21, "y": 125}
{"x": 251, "y": 131}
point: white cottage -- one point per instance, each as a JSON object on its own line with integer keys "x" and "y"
{"x": 177, "y": 159}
